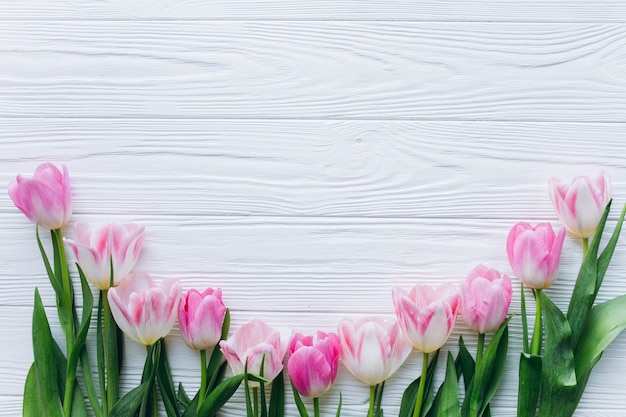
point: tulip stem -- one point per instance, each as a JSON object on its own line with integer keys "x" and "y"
{"x": 535, "y": 348}
{"x": 203, "y": 377}
{"x": 255, "y": 394}
{"x": 316, "y": 407}
{"x": 479, "y": 349}
{"x": 524, "y": 320}
{"x": 420, "y": 391}
{"x": 110, "y": 346}
{"x": 370, "y": 413}
{"x": 585, "y": 245}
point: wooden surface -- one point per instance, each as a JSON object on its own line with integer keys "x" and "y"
{"x": 307, "y": 156}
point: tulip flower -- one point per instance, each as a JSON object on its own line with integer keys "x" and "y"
{"x": 201, "y": 316}
{"x": 372, "y": 349}
{"x": 144, "y": 311}
{"x": 581, "y": 203}
{"x": 313, "y": 363}
{"x": 94, "y": 249}
{"x": 46, "y": 198}
{"x": 485, "y": 299}
{"x": 535, "y": 253}
{"x": 427, "y": 315}
{"x": 255, "y": 343}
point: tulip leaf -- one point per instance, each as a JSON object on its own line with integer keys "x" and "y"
{"x": 299, "y": 404}
{"x": 447, "y": 400}
{"x": 607, "y": 253}
{"x": 277, "y": 397}
{"x": 32, "y": 405}
{"x": 407, "y": 405}
{"x": 584, "y": 293}
{"x": 465, "y": 364}
{"x": 558, "y": 376}
{"x": 604, "y": 324}
{"x": 338, "y": 414}
{"x": 166, "y": 383}
{"x": 130, "y": 402}
{"x": 81, "y": 336}
{"x": 182, "y": 396}
{"x": 49, "y": 377}
{"x": 249, "y": 411}
{"x": 219, "y": 396}
{"x": 56, "y": 285}
{"x": 529, "y": 384}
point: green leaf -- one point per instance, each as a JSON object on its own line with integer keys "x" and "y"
{"x": 584, "y": 293}
{"x": 558, "y": 377}
{"x": 529, "y": 385}
{"x": 48, "y": 377}
{"x": 81, "y": 337}
{"x": 182, "y": 396}
{"x": 54, "y": 281}
{"x": 447, "y": 400}
{"x": 338, "y": 414}
{"x": 128, "y": 405}
{"x": 466, "y": 363}
{"x": 219, "y": 396}
{"x": 605, "y": 322}
{"x": 277, "y": 397}
{"x": 249, "y": 411}
{"x": 299, "y": 404}
{"x": 166, "y": 384}
{"x": 32, "y": 405}
{"x": 407, "y": 405}
{"x": 607, "y": 253}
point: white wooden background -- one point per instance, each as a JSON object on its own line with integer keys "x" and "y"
{"x": 308, "y": 155}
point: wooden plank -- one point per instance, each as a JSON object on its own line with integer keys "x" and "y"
{"x": 398, "y": 10}
{"x": 312, "y": 168}
{"x": 313, "y": 70}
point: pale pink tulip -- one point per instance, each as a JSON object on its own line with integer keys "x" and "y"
{"x": 144, "y": 311}
{"x": 581, "y": 203}
{"x": 485, "y": 299}
{"x": 372, "y": 348}
{"x": 46, "y": 198}
{"x": 256, "y": 343}
{"x": 201, "y": 316}
{"x": 94, "y": 249}
{"x": 427, "y": 315}
{"x": 313, "y": 363}
{"x": 535, "y": 253}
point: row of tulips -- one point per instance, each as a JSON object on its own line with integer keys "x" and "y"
{"x": 552, "y": 374}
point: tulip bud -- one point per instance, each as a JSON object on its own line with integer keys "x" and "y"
{"x": 201, "y": 316}
{"x": 313, "y": 363}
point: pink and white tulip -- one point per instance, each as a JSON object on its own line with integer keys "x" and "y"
{"x": 485, "y": 299}
{"x": 201, "y": 316}
{"x": 95, "y": 248}
{"x": 535, "y": 253}
{"x": 372, "y": 349}
{"x": 144, "y": 311}
{"x": 313, "y": 363}
{"x": 256, "y": 343}
{"x": 581, "y": 203}
{"x": 427, "y": 315}
{"x": 46, "y": 198}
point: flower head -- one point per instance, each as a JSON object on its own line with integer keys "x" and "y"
{"x": 46, "y": 198}
{"x": 313, "y": 363}
{"x": 201, "y": 316}
{"x": 485, "y": 299}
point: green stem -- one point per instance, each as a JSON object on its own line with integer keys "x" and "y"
{"x": 524, "y": 320}
{"x": 480, "y": 348}
{"x": 535, "y": 348}
{"x": 370, "y": 413}
{"x": 316, "y": 407}
{"x": 420, "y": 391}
{"x": 110, "y": 353}
{"x": 255, "y": 394}
{"x": 585, "y": 245}
{"x": 203, "y": 376}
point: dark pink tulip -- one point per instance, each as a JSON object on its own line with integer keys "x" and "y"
{"x": 201, "y": 316}
{"x": 94, "y": 249}
{"x": 46, "y": 198}
{"x": 535, "y": 253}
{"x": 144, "y": 311}
{"x": 485, "y": 299}
{"x": 313, "y": 363}
{"x": 581, "y": 203}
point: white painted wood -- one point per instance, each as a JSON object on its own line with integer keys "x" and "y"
{"x": 313, "y": 70}
{"x": 307, "y": 156}
{"x": 422, "y": 10}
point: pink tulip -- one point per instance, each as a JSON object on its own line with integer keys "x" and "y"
{"x": 94, "y": 249}
{"x": 427, "y": 315}
{"x": 580, "y": 204}
{"x": 535, "y": 253}
{"x": 46, "y": 199}
{"x": 485, "y": 299}
{"x": 256, "y": 343}
{"x": 372, "y": 349}
{"x": 144, "y": 311}
{"x": 313, "y": 363}
{"x": 201, "y": 316}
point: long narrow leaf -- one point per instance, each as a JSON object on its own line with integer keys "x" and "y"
{"x": 558, "y": 377}
{"x": 407, "y": 405}
{"x": 219, "y": 396}
{"x": 166, "y": 384}
{"x": 277, "y": 397}
{"x": 299, "y": 404}
{"x": 447, "y": 400}
{"x": 128, "y": 405}
{"x": 32, "y": 405}
{"x": 81, "y": 336}
{"x": 607, "y": 253}
{"x": 529, "y": 385}
{"x": 338, "y": 414}
{"x": 466, "y": 364}
{"x": 584, "y": 293}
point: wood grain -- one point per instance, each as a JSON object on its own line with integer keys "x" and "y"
{"x": 377, "y": 169}
{"x": 313, "y": 70}
{"x": 397, "y": 10}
